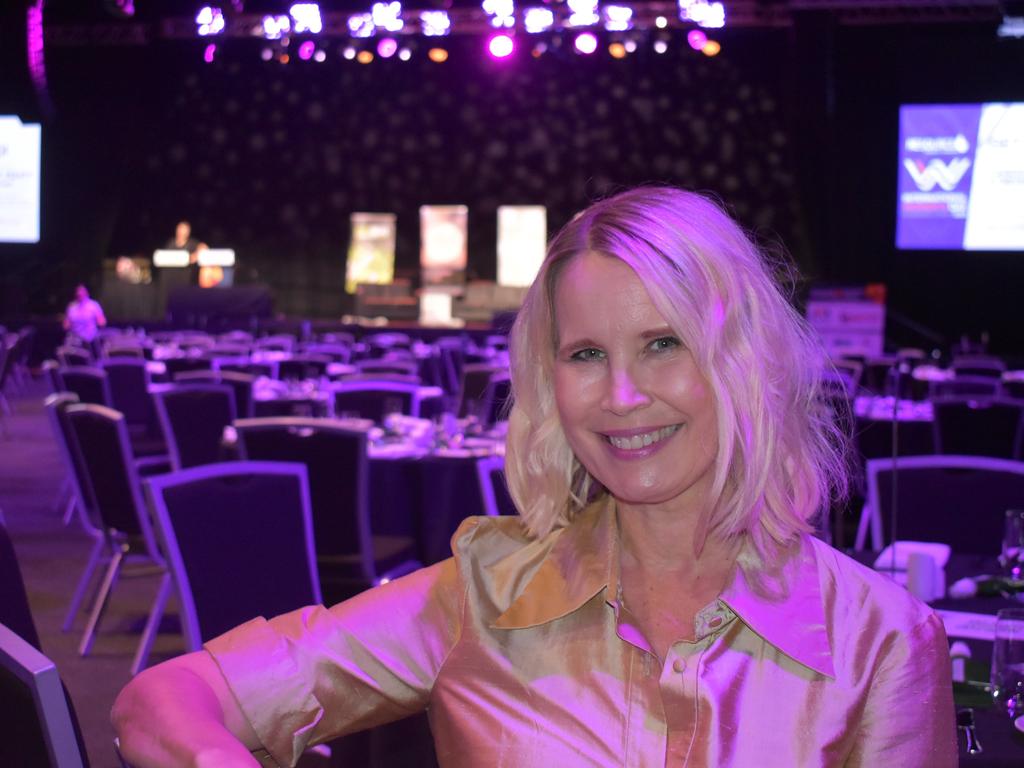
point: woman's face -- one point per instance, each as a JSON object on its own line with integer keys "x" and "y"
{"x": 637, "y": 412}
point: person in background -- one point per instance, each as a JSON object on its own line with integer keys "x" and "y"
{"x": 661, "y": 600}
{"x": 183, "y": 241}
{"x": 84, "y": 316}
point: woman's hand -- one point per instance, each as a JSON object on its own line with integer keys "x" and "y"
{"x": 181, "y": 713}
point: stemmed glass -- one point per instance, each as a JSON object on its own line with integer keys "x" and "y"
{"x": 1008, "y": 661}
{"x": 1012, "y": 557}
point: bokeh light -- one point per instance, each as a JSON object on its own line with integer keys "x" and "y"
{"x": 711, "y": 48}
{"x": 387, "y": 47}
{"x": 501, "y": 46}
{"x": 437, "y": 55}
{"x": 617, "y": 50}
{"x": 696, "y": 39}
{"x": 364, "y": 57}
{"x": 585, "y": 43}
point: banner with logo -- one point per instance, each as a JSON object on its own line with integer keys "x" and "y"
{"x": 961, "y": 177}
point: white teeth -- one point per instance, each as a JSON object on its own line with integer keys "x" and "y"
{"x": 642, "y": 441}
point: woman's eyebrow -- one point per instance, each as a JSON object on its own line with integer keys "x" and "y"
{"x": 577, "y": 344}
{"x": 657, "y": 333}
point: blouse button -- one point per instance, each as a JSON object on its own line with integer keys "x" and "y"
{"x": 679, "y": 665}
{"x": 715, "y": 622}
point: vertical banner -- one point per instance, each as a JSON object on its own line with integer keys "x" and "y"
{"x": 936, "y": 156}
{"x": 20, "y": 147}
{"x": 443, "y": 247}
{"x": 371, "y": 250}
{"x": 522, "y": 241}
{"x": 995, "y": 213}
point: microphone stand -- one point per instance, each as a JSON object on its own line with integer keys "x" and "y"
{"x": 894, "y": 500}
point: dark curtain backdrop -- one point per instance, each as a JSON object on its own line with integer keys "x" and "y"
{"x": 795, "y": 128}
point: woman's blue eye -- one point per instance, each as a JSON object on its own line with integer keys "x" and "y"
{"x": 664, "y": 343}
{"x": 586, "y": 354}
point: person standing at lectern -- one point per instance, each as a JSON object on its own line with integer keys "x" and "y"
{"x": 183, "y": 241}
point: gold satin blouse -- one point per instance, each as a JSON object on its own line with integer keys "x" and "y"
{"x": 523, "y": 658}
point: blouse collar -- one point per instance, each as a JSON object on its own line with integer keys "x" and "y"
{"x": 783, "y": 605}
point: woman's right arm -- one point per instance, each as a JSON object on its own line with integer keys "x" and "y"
{"x": 181, "y": 713}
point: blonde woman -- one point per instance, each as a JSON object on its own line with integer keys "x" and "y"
{"x": 661, "y": 600}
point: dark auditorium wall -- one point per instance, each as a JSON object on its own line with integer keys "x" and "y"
{"x": 795, "y": 127}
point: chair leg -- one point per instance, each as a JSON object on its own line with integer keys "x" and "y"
{"x": 100, "y": 605}
{"x": 152, "y": 625}
{"x": 83, "y": 585}
{"x": 69, "y": 510}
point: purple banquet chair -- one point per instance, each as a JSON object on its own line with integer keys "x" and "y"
{"x": 193, "y": 417}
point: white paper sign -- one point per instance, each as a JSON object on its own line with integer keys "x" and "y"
{"x": 20, "y": 147}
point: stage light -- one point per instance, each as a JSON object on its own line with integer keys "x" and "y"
{"x": 211, "y": 49}
{"x": 209, "y": 21}
{"x": 538, "y": 20}
{"x": 388, "y": 15}
{"x": 349, "y": 52}
{"x": 266, "y": 54}
{"x": 361, "y": 25}
{"x": 320, "y": 57}
{"x": 437, "y": 55}
{"x": 539, "y": 50}
{"x": 617, "y": 50}
{"x": 306, "y": 50}
{"x": 661, "y": 22}
{"x": 702, "y": 12}
{"x": 307, "y": 18}
{"x": 284, "y": 58}
{"x": 364, "y": 57}
{"x": 502, "y": 12}
{"x": 387, "y": 47}
{"x": 501, "y": 46}
{"x": 618, "y": 18}
{"x": 584, "y": 13}
{"x": 660, "y": 46}
{"x": 404, "y": 54}
{"x": 630, "y": 46}
{"x": 585, "y": 43}
{"x": 435, "y": 23}
{"x": 696, "y": 39}
{"x": 711, "y": 48}
{"x": 275, "y": 26}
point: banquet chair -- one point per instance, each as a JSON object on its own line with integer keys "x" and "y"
{"x": 267, "y": 368}
{"x": 129, "y": 383}
{"x": 91, "y": 384}
{"x": 376, "y": 399}
{"x": 978, "y": 426}
{"x": 280, "y": 342}
{"x": 38, "y": 726}
{"x": 75, "y": 487}
{"x": 498, "y": 397}
{"x": 956, "y": 500}
{"x": 15, "y": 612}
{"x": 239, "y": 543}
{"x": 193, "y": 417}
{"x": 348, "y": 552}
{"x": 493, "y": 486}
{"x": 5, "y": 368}
{"x": 241, "y": 383}
{"x": 50, "y": 370}
{"x": 338, "y": 353}
{"x": 69, "y": 356}
{"x": 176, "y": 365}
{"x": 962, "y": 386}
{"x": 119, "y": 512}
{"x": 301, "y": 367}
{"x": 475, "y": 390}
{"x": 978, "y": 365}
{"x": 388, "y": 365}
{"x": 1013, "y": 388}
{"x": 876, "y": 374}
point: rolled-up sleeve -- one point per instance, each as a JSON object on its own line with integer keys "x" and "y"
{"x": 315, "y": 674}
{"x": 908, "y": 718}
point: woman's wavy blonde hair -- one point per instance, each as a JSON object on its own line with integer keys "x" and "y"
{"x": 781, "y": 458}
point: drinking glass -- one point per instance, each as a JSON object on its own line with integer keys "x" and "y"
{"x": 1008, "y": 661}
{"x": 1012, "y": 557}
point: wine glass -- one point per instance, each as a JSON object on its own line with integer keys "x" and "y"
{"x": 1008, "y": 662}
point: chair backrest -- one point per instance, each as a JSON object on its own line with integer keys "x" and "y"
{"x": 958, "y": 500}
{"x": 978, "y": 365}
{"x": 403, "y": 367}
{"x": 978, "y": 386}
{"x": 309, "y": 366}
{"x": 36, "y": 728}
{"x": 128, "y": 380}
{"x": 978, "y": 426}
{"x": 69, "y": 356}
{"x": 176, "y": 365}
{"x": 490, "y": 472}
{"x": 475, "y": 389}
{"x": 376, "y": 399}
{"x": 89, "y": 383}
{"x": 15, "y": 612}
{"x": 339, "y": 477}
{"x": 193, "y": 417}
{"x": 239, "y": 542}
{"x": 56, "y": 406}
{"x": 105, "y": 449}
{"x": 51, "y": 374}
{"x": 339, "y": 353}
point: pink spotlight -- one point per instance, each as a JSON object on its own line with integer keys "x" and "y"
{"x": 386, "y": 47}
{"x": 208, "y": 53}
{"x": 696, "y": 39}
{"x": 501, "y": 46}
{"x": 586, "y": 43}
{"x": 306, "y": 50}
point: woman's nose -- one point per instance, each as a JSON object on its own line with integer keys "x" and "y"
{"x": 626, "y": 392}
